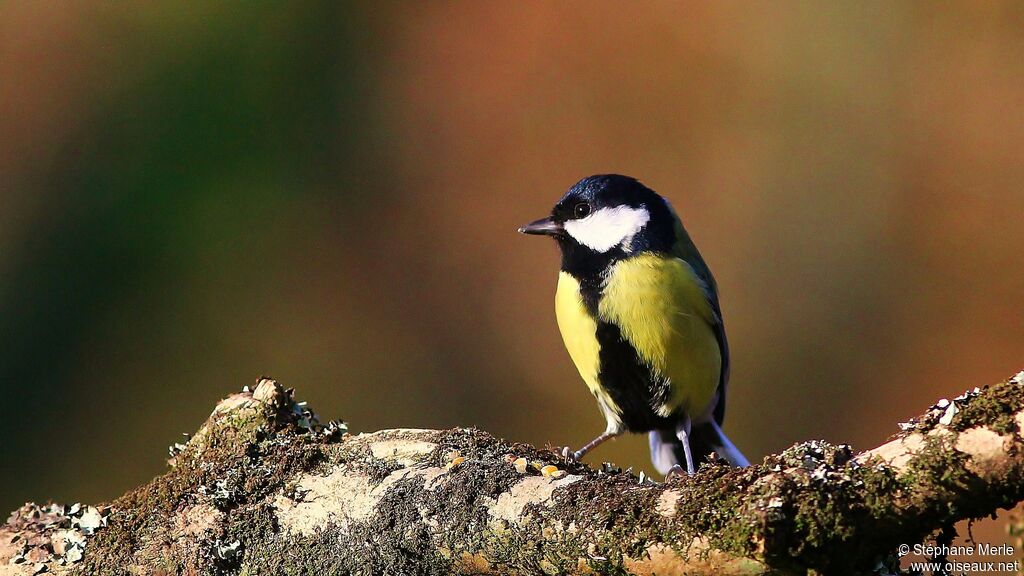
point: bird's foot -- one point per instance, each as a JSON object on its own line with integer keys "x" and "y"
{"x": 569, "y": 455}
{"x": 674, "y": 472}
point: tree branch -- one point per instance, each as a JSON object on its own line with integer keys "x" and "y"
{"x": 263, "y": 488}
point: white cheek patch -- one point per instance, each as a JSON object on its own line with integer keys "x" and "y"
{"x": 608, "y": 227}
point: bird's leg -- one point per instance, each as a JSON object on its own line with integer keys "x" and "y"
{"x": 589, "y": 446}
{"x": 683, "y": 433}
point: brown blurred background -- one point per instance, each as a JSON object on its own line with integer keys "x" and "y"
{"x": 192, "y": 196}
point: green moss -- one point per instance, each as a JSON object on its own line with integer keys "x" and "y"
{"x": 996, "y": 406}
{"x": 814, "y": 506}
{"x": 711, "y": 504}
{"x": 940, "y": 464}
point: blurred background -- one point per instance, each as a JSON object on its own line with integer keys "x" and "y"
{"x": 327, "y": 193}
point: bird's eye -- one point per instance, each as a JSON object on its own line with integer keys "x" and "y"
{"x": 581, "y": 210}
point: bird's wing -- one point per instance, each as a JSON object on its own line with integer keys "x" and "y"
{"x": 687, "y": 251}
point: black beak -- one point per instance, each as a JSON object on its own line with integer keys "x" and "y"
{"x": 544, "y": 226}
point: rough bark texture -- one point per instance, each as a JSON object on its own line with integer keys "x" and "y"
{"x": 262, "y": 488}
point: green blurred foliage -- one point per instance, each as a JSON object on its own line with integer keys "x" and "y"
{"x": 327, "y": 193}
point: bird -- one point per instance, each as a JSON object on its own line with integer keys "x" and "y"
{"x": 639, "y": 314}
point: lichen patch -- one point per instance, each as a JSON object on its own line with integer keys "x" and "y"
{"x": 342, "y": 497}
{"x": 233, "y": 403}
{"x": 984, "y": 446}
{"x": 532, "y": 490}
{"x": 667, "y": 503}
{"x": 896, "y": 453}
{"x": 392, "y": 432}
{"x": 337, "y": 498}
{"x": 431, "y": 476}
{"x": 402, "y": 452}
{"x": 197, "y": 520}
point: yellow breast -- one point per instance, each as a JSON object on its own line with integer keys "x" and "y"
{"x": 661, "y": 308}
{"x": 579, "y": 330}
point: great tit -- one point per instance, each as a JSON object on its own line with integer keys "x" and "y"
{"x": 638, "y": 311}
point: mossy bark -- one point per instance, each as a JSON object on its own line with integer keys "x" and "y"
{"x": 262, "y": 488}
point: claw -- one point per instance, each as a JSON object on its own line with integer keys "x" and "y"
{"x": 674, "y": 471}
{"x": 570, "y": 456}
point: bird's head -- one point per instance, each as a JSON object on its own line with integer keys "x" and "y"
{"x": 606, "y": 218}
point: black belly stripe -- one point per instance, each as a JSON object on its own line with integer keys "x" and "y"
{"x": 629, "y": 382}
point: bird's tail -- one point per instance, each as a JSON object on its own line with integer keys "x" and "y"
{"x": 705, "y": 439}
